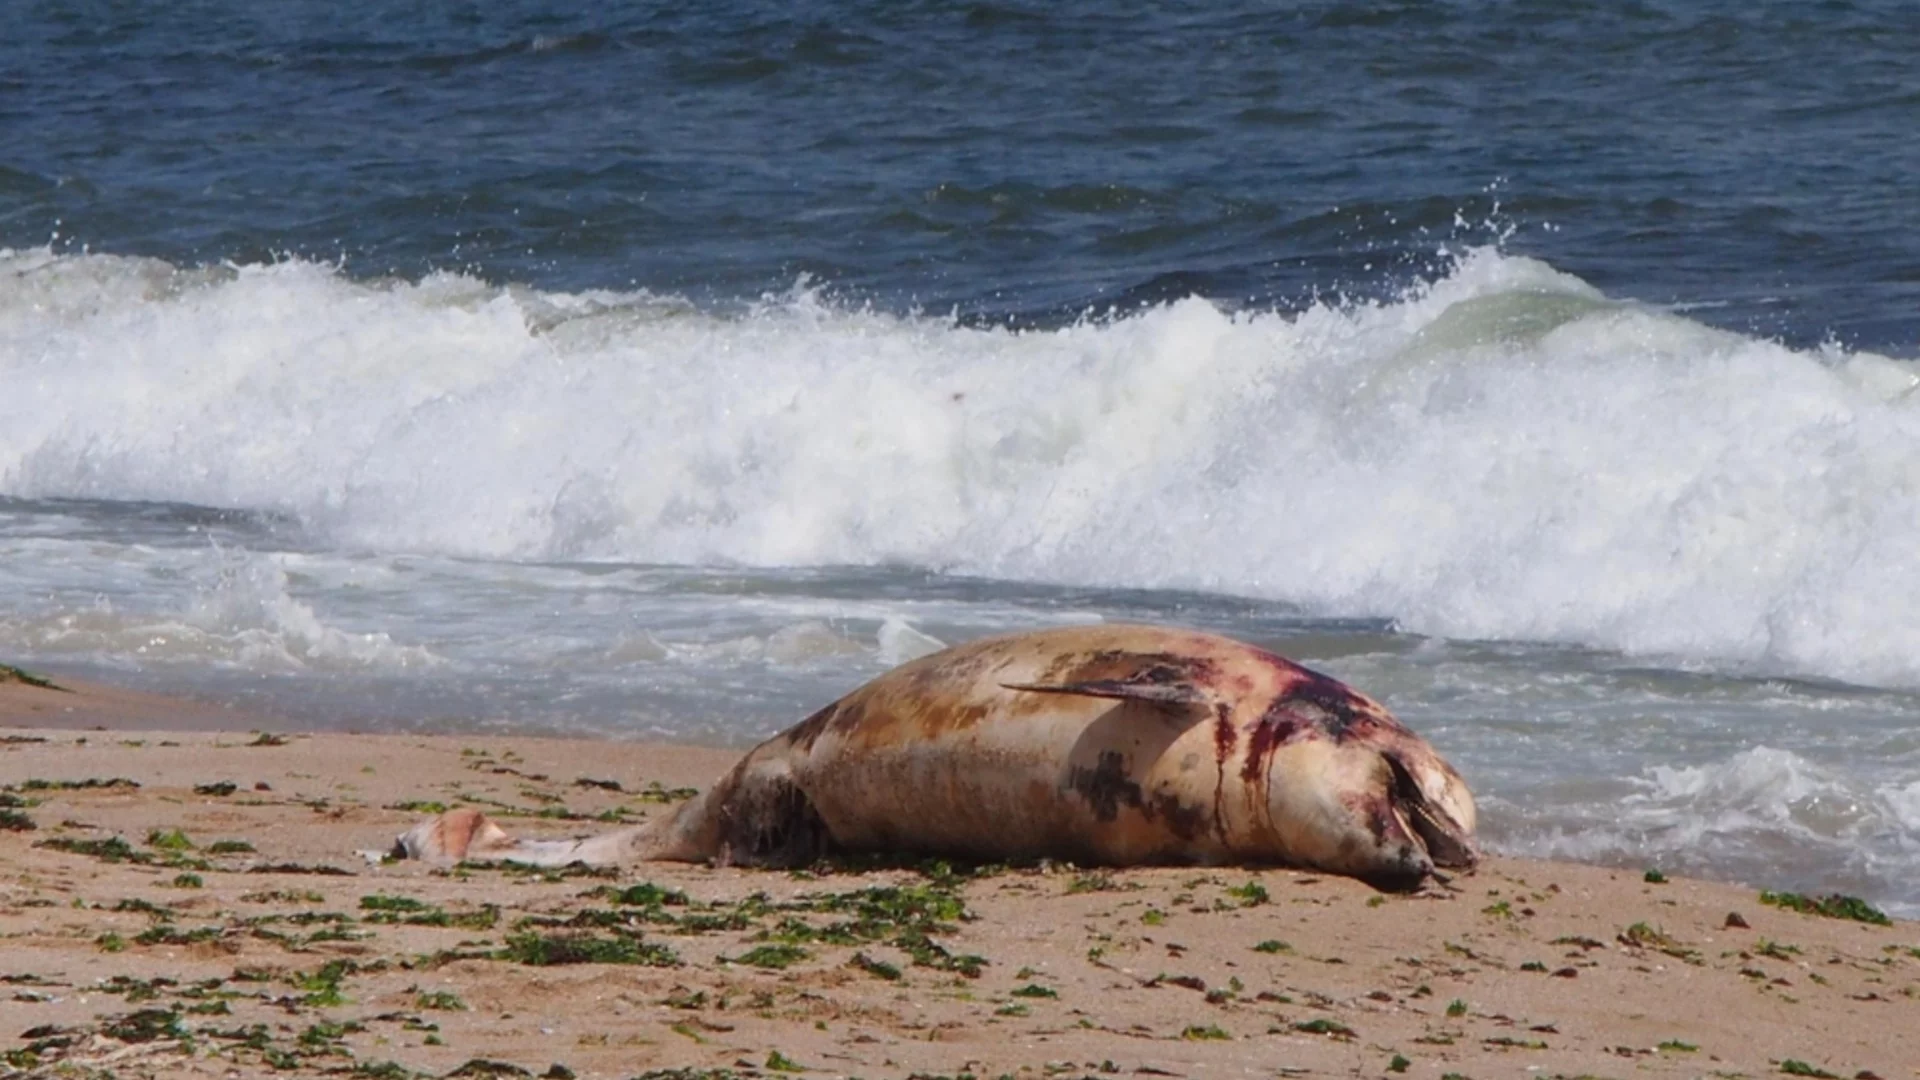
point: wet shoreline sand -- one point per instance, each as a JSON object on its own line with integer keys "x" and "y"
{"x": 185, "y": 897}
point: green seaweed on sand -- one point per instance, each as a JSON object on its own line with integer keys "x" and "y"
{"x": 9, "y": 673}
{"x": 780, "y": 1062}
{"x": 411, "y": 912}
{"x": 112, "y": 850}
{"x": 169, "y": 934}
{"x": 1643, "y": 936}
{"x": 316, "y": 869}
{"x": 169, "y": 840}
{"x": 483, "y": 1069}
{"x": 1832, "y": 906}
{"x": 655, "y": 793}
{"x": 541, "y": 950}
{"x": 1324, "y": 1026}
{"x": 929, "y": 954}
{"x": 136, "y": 990}
{"x": 646, "y": 894}
{"x": 322, "y": 987}
{"x": 146, "y": 1025}
{"x": 1250, "y": 895}
{"x": 879, "y": 969}
{"x": 1511, "y": 1043}
{"x": 91, "y": 783}
{"x": 777, "y": 957}
{"x": 1093, "y": 881}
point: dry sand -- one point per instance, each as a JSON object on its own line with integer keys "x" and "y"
{"x": 236, "y": 931}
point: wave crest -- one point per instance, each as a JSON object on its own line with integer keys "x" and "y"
{"x": 1503, "y": 453}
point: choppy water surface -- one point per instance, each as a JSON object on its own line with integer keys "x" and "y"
{"x": 1546, "y": 371}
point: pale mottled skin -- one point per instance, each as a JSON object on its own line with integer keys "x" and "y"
{"x": 1105, "y": 744}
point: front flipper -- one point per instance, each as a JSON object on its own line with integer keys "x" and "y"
{"x": 1161, "y": 679}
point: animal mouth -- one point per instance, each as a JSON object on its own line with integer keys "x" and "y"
{"x": 1447, "y": 843}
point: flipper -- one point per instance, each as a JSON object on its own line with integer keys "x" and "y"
{"x": 468, "y": 835}
{"x": 1156, "y": 680}
{"x": 754, "y": 816}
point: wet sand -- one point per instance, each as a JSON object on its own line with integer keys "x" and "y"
{"x": 184, "y": 897}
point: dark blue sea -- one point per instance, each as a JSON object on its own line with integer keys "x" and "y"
{"x": 1545, "y": 369}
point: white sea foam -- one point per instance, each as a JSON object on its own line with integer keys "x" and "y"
{"x": 224, "y": 608}
{"x": 899, "y": 642}
{"x": 1760, "y": 787}
{"x": 249, "y": 609}
{"x": 1504, "y": 453}
{"x": 1763, "y": 815}
{"x": 1904, "y": 801}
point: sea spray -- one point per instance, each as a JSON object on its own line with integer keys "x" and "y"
{"x": 1502, "y": 453}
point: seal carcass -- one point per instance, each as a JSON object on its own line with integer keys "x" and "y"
{"x": 1104, "y": 744}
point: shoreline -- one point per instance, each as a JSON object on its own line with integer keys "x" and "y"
{"x": 235, "y": 926}
{"x": 63, "y": 702}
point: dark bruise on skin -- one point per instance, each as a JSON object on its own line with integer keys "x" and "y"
{"x": 1105, "y": 786}
{"x": 1186, "y": 821}
{"x": 1314, "y": 705}
{"x": 1347, "y": 715}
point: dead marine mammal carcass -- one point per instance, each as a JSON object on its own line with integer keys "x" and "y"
{"x": 1104, "y": 744}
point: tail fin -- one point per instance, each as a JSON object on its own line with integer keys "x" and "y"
{"x": 467, "y": 834}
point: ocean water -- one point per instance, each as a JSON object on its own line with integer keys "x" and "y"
{"x": 1547, "y": 371}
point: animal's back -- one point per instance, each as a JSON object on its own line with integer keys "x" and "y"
{"x": 959, "y": 753}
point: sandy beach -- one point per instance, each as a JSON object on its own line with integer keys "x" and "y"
{"x": 185, "y": 896}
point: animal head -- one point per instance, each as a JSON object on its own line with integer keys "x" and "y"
{"x": 1350, "y": 790}
{"x": 1430, "y": 800}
